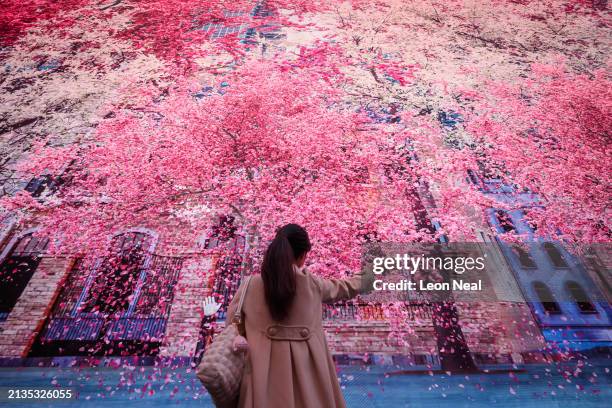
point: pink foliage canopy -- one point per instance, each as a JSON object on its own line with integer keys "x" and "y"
{"x": 275, "y": 147}
{"x": 282, "y": 144}
{"x": 551, "y": 134}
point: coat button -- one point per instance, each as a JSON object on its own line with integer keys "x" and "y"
{"x": 304, "y": 333}
{"x": 272, "y": 331}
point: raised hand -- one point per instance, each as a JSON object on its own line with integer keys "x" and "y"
{"x": 210, "y": 306}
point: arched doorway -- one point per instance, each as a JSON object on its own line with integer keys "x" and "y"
{"x": 115, "y": 306}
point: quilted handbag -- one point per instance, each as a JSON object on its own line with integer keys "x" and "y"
{"x": 221, "y": 368}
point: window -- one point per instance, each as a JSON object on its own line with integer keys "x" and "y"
{"x": 224, "y": 231}
{"x": 17, "y": 269}
{"x": 504, "y": 221}
{"x": 546, "y": 298}
{"x": 578, "y": 295}
{"x": 113, "y": 305}
{"x": 227, "y": 280}
{"x": 524, "y": 257}
{"x": 473, "y": 178}
{"x": 262, "y": 9}
{"x": 43, "y": 184}
{"x": 158, "y": 290}
{"x": 555, "y": 255}
{"x": 533, "y": 226}
{"x": 420, "y": 359}
{"x": 72, "y": 289}
{"x": 117, "y": 276}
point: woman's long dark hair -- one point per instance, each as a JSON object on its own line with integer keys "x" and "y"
{"x": 290, "y": 243}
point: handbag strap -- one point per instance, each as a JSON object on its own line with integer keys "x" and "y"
{"x": 238, "y": 314}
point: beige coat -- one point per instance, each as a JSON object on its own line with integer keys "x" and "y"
{"x": 289, "y": 365}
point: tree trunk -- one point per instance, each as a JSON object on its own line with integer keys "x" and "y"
{"x": 453, "y": 349}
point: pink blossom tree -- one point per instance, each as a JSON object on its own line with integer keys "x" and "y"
{"x": 272, "y": 147}
{"x": 548, "y": 134}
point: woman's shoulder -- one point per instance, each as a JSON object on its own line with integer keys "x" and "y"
{"x": 248, "y": 283}
{"x": 307, "y": 280}
{"x": 252, "y": 281}
{"x": 312, "y": 281}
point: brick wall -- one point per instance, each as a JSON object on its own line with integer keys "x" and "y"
{"x": 489, "y": 328}
{"x": 183, "y": 325}
{"x": 28, "y": 316}
{"x": 598, "y": 264}
{"x": 374, "y": 338}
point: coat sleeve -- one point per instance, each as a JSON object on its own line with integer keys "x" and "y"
{"x": 334, "y": 290}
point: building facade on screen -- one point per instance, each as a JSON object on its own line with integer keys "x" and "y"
{"x": 568, "y": 295}
{"x": 144, "y": 300}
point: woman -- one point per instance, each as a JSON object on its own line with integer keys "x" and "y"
{"x": 289, "y": 363}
